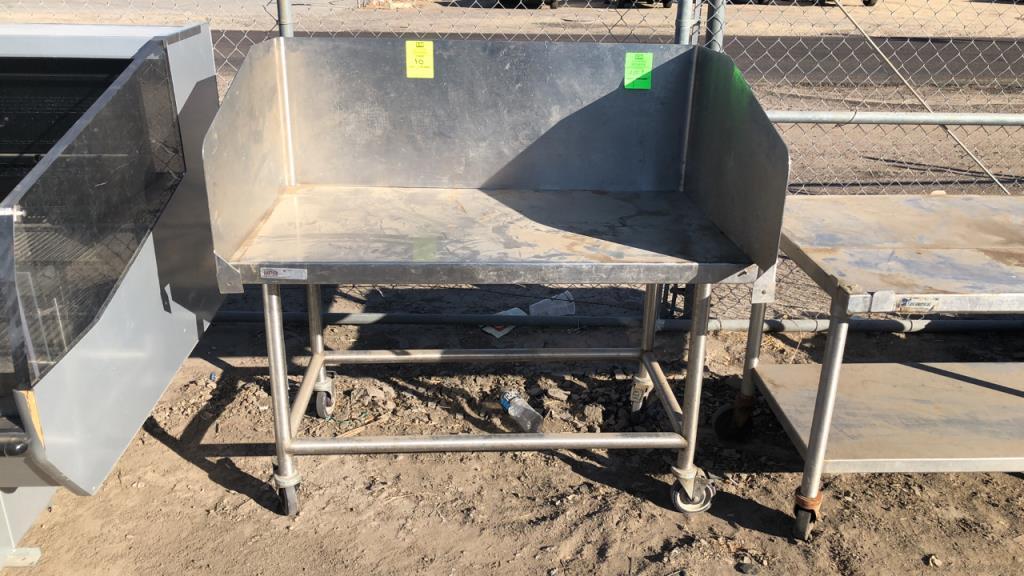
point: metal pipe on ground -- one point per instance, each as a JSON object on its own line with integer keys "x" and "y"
{"x": 671, "y": 325}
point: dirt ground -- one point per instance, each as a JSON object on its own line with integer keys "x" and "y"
{"x": 190, "y": 496}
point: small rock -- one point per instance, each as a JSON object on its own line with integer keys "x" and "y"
{"x": 558, "y": 394}
{"x": 933, "y": 560}
{"x": 553, "y": 572}
{"x": 747, "y": 568}
{"x": 593, "y": 414}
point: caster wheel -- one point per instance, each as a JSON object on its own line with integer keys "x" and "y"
{"x": 289, "y": 500}
{"x": 804, "y": 524}
{"x": 684, "y": 504}
{"x": 666, "y": 3}
{"x": 324, "y": 404}
{"x": 724, "y": 422}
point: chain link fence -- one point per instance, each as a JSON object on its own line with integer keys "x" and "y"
{"x": 953, "y": 56}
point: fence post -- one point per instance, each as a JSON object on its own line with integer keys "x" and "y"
{"x": 684, "y": 22}
{"x": 284, "y": 18}
{"x": 716, "y": 25}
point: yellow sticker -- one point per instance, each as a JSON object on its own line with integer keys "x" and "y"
{"x": 419, "y": 59}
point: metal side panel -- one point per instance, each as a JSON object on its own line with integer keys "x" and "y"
{"x": 183, "y": 238}
{"x": 18, "y": 511}
{"x": 79, "y": 40}
{"x": 245, "y": 155}
{"x": 94, "y": 400}
{"x": 495, "y": 115}
{"x": 736, "y": 165}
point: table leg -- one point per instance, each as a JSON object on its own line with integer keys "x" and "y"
{"x": 692, "y": 491}
{"x": 808, "y": 497}
{"x": 286, "y": 476}
{"x": 735, "y": 423}
{"x": 324, "y": 386}
{"x": 642, "y": 383}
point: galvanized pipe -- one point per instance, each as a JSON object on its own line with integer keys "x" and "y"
{"x": 894, "y": 118}
{"x": 284, "y": 18}
{"x": 716, "y": 26}
{"x": 684, "y": 22}
{"x": 664, "y": 391}
{"x": 671, "y": 325}
{"x": 486, "y": 443}
{"x": 483, "y": 355}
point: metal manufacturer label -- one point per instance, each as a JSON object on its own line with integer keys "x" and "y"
{"x": 283, "y": 273}
{"x": 916, "y": 305}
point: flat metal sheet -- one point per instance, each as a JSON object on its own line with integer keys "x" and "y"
{"x": 470, "y": 235}
{"x": 908, "y": 417}
{"x": 537, "y": 115}
{"x": 912, "y": 245}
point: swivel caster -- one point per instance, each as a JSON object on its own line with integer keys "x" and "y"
{"x": 699, "y": 503}
{"x": 289, "y": 500}
{"x": 324, "y": 404}
{"x": 730, "y": 428}
{"x": 804, "y": 524}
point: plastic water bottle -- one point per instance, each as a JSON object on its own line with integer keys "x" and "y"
{"x": 525, "y": 416}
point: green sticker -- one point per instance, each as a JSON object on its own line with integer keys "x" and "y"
{"x": 638, "y": 70}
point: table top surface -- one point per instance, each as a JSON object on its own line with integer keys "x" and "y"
{"x": 908, "y": 244}
{"x": 593, "y": 234}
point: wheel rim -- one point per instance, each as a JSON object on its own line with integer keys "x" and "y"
{"x": 324, "y": 404}
{"x": 687, "y": 506}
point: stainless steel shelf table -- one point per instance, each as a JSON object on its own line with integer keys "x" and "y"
{"x": 370, "y": 161}
{"x": 901, "y": 255}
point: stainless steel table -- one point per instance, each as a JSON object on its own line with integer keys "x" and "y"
{"x": 903, "y": 255}
{"x": 366, "y": 161}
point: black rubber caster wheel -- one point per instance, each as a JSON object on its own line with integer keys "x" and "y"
{"x": 700, "y": 503}
{"x": 289, "y": 500}
{"x": 324, "y": 404}
{"x": 804, "y": 524}
{"x": 727, "y": 429}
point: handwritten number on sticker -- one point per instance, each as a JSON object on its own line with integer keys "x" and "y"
{"x": 419, "y": 59}
{"x": 637, "y": 74}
